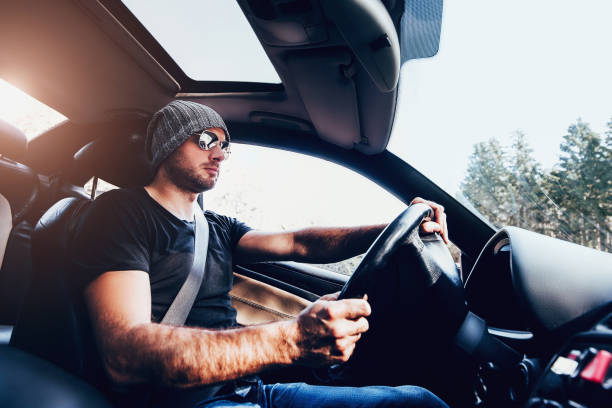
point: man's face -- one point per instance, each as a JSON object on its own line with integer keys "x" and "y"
{"x": 192, "y": 169}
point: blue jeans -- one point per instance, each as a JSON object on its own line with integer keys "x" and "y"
{"x": 301, "y": 395}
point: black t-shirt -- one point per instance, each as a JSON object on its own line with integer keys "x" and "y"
{"x": 126, "y": 229}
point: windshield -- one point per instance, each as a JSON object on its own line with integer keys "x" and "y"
{"x": 513, "y": 117}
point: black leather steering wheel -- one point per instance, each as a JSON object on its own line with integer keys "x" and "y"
{"x": 435, "y": 286}
{"x": 403, "y": 230}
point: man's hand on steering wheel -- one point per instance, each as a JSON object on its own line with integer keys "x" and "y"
{"x": 438, "y": 224}
{"x": 326, "y": 331}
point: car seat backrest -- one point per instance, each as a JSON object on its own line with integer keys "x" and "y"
{"x": 51, "y": 324}
{"x": 19, "y": 188}
{"x": 13, "y": 141}
{"x": 6, "y": 224}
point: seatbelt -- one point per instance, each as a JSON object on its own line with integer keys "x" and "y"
{"x": 181, "y": 305}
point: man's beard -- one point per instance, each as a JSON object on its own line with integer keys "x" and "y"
{"x": 186, "y": 179}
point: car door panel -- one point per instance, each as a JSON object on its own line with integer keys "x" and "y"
{"x": 273, "y": 291}
{"x": 304, "y": 280}
{"x": 257, "y": 302}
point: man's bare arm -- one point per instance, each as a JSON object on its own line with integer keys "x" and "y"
{"x": 134, "y": 350}
{"x": 314, "y": 245}
{"x": 324, "y": 245}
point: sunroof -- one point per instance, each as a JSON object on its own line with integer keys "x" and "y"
{"x": 210, "y": 40}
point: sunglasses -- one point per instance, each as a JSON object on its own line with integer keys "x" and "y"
{"x": 207, "y": 140}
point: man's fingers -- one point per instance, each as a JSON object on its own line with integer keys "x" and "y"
{"x": 439, "y": 217}
{"x": 446, "y": 238}
{"x": 430, "y": 227}
{"x": 342, "y": 354}
{"x": 346, "y": 343}
{"x": 350, "y": 309}
{"x": 435, "y": 206}
{"x": 444, "y": 226}
{"x": 330, "y": 296}
{"x": 348, "y": 328}
{"x": 361, "y": 326}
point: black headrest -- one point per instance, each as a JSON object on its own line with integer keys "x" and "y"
{"x": 50, "y": 324}
{"x": 119, "y": 160}
{"x": 13, "y": 142}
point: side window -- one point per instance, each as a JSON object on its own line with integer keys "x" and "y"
{"x": 24, "y": 112}
{"x": 276, "y": 190}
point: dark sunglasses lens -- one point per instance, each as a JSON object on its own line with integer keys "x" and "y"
{"x": 206, "y": 138}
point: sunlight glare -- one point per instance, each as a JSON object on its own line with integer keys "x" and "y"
{"x": 26, "y": 113}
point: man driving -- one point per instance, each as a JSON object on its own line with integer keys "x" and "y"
{"x": 136, "y": 249}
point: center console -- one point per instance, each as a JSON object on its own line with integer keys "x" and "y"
{"x": 580, "y": 375}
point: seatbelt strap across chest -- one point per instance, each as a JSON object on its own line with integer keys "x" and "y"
{"x": 183, "y": 302}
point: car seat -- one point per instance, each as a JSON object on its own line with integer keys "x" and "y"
{"x": 6, "y": 224}
{"x": 28, "y": 380}
{"x": 19, "y": 186}
{"x": 50, "y": 324}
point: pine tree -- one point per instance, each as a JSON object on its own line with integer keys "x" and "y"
{"x": 579, "y": 183}
{"x": 605, "y": 201}
{"x": 572, "y": 202}
{"x": 485, "y": 184}
{"x": 529, "y": 200}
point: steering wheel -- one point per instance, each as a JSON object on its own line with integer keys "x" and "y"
{"x": 404, "y": 230}
{"x": 447, "y": 317}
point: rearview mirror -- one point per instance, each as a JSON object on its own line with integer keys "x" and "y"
{"x": 420, "y": 28}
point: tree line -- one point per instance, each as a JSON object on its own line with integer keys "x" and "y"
{"x": 571, "y": 201}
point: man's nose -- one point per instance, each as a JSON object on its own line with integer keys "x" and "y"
{"x": 216, "y": 153}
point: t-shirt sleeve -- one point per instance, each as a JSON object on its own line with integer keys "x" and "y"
{"x": 228, "y": 227}
{"x": 111, "y": 236}
{"x": 238, "y": 229}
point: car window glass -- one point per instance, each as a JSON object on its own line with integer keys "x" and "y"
{"x": 276, "y": 190}
{"x": 27, "y": 114}
{"x": 210, "y": 40}
{"x": 513, "y": 116}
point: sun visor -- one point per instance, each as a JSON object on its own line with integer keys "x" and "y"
{"x": 344, "y": 105}
{"x": 13, "y": 142}
{"x": 329, "y": 97}
{"x": 369, "y": 31}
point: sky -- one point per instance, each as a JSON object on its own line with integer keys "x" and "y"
{"x": 533, "y": 66}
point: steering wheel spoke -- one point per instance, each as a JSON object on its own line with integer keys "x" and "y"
{"x": 403, "y": 230}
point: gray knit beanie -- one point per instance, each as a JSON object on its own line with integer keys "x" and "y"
{"x": 175, "y": 123}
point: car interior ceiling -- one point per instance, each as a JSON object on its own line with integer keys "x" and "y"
{"x": 313, "y": 72}
{"x": 109, "y": 121}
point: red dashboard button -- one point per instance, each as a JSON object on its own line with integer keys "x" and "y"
{"x": 574, "y": 355}
{"x": 596, "y": 370}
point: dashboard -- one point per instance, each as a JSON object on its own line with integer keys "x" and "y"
{"x": 551, "y": 300}
{"x": 526, "y": 281}
{"x": 490, "y": 292}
